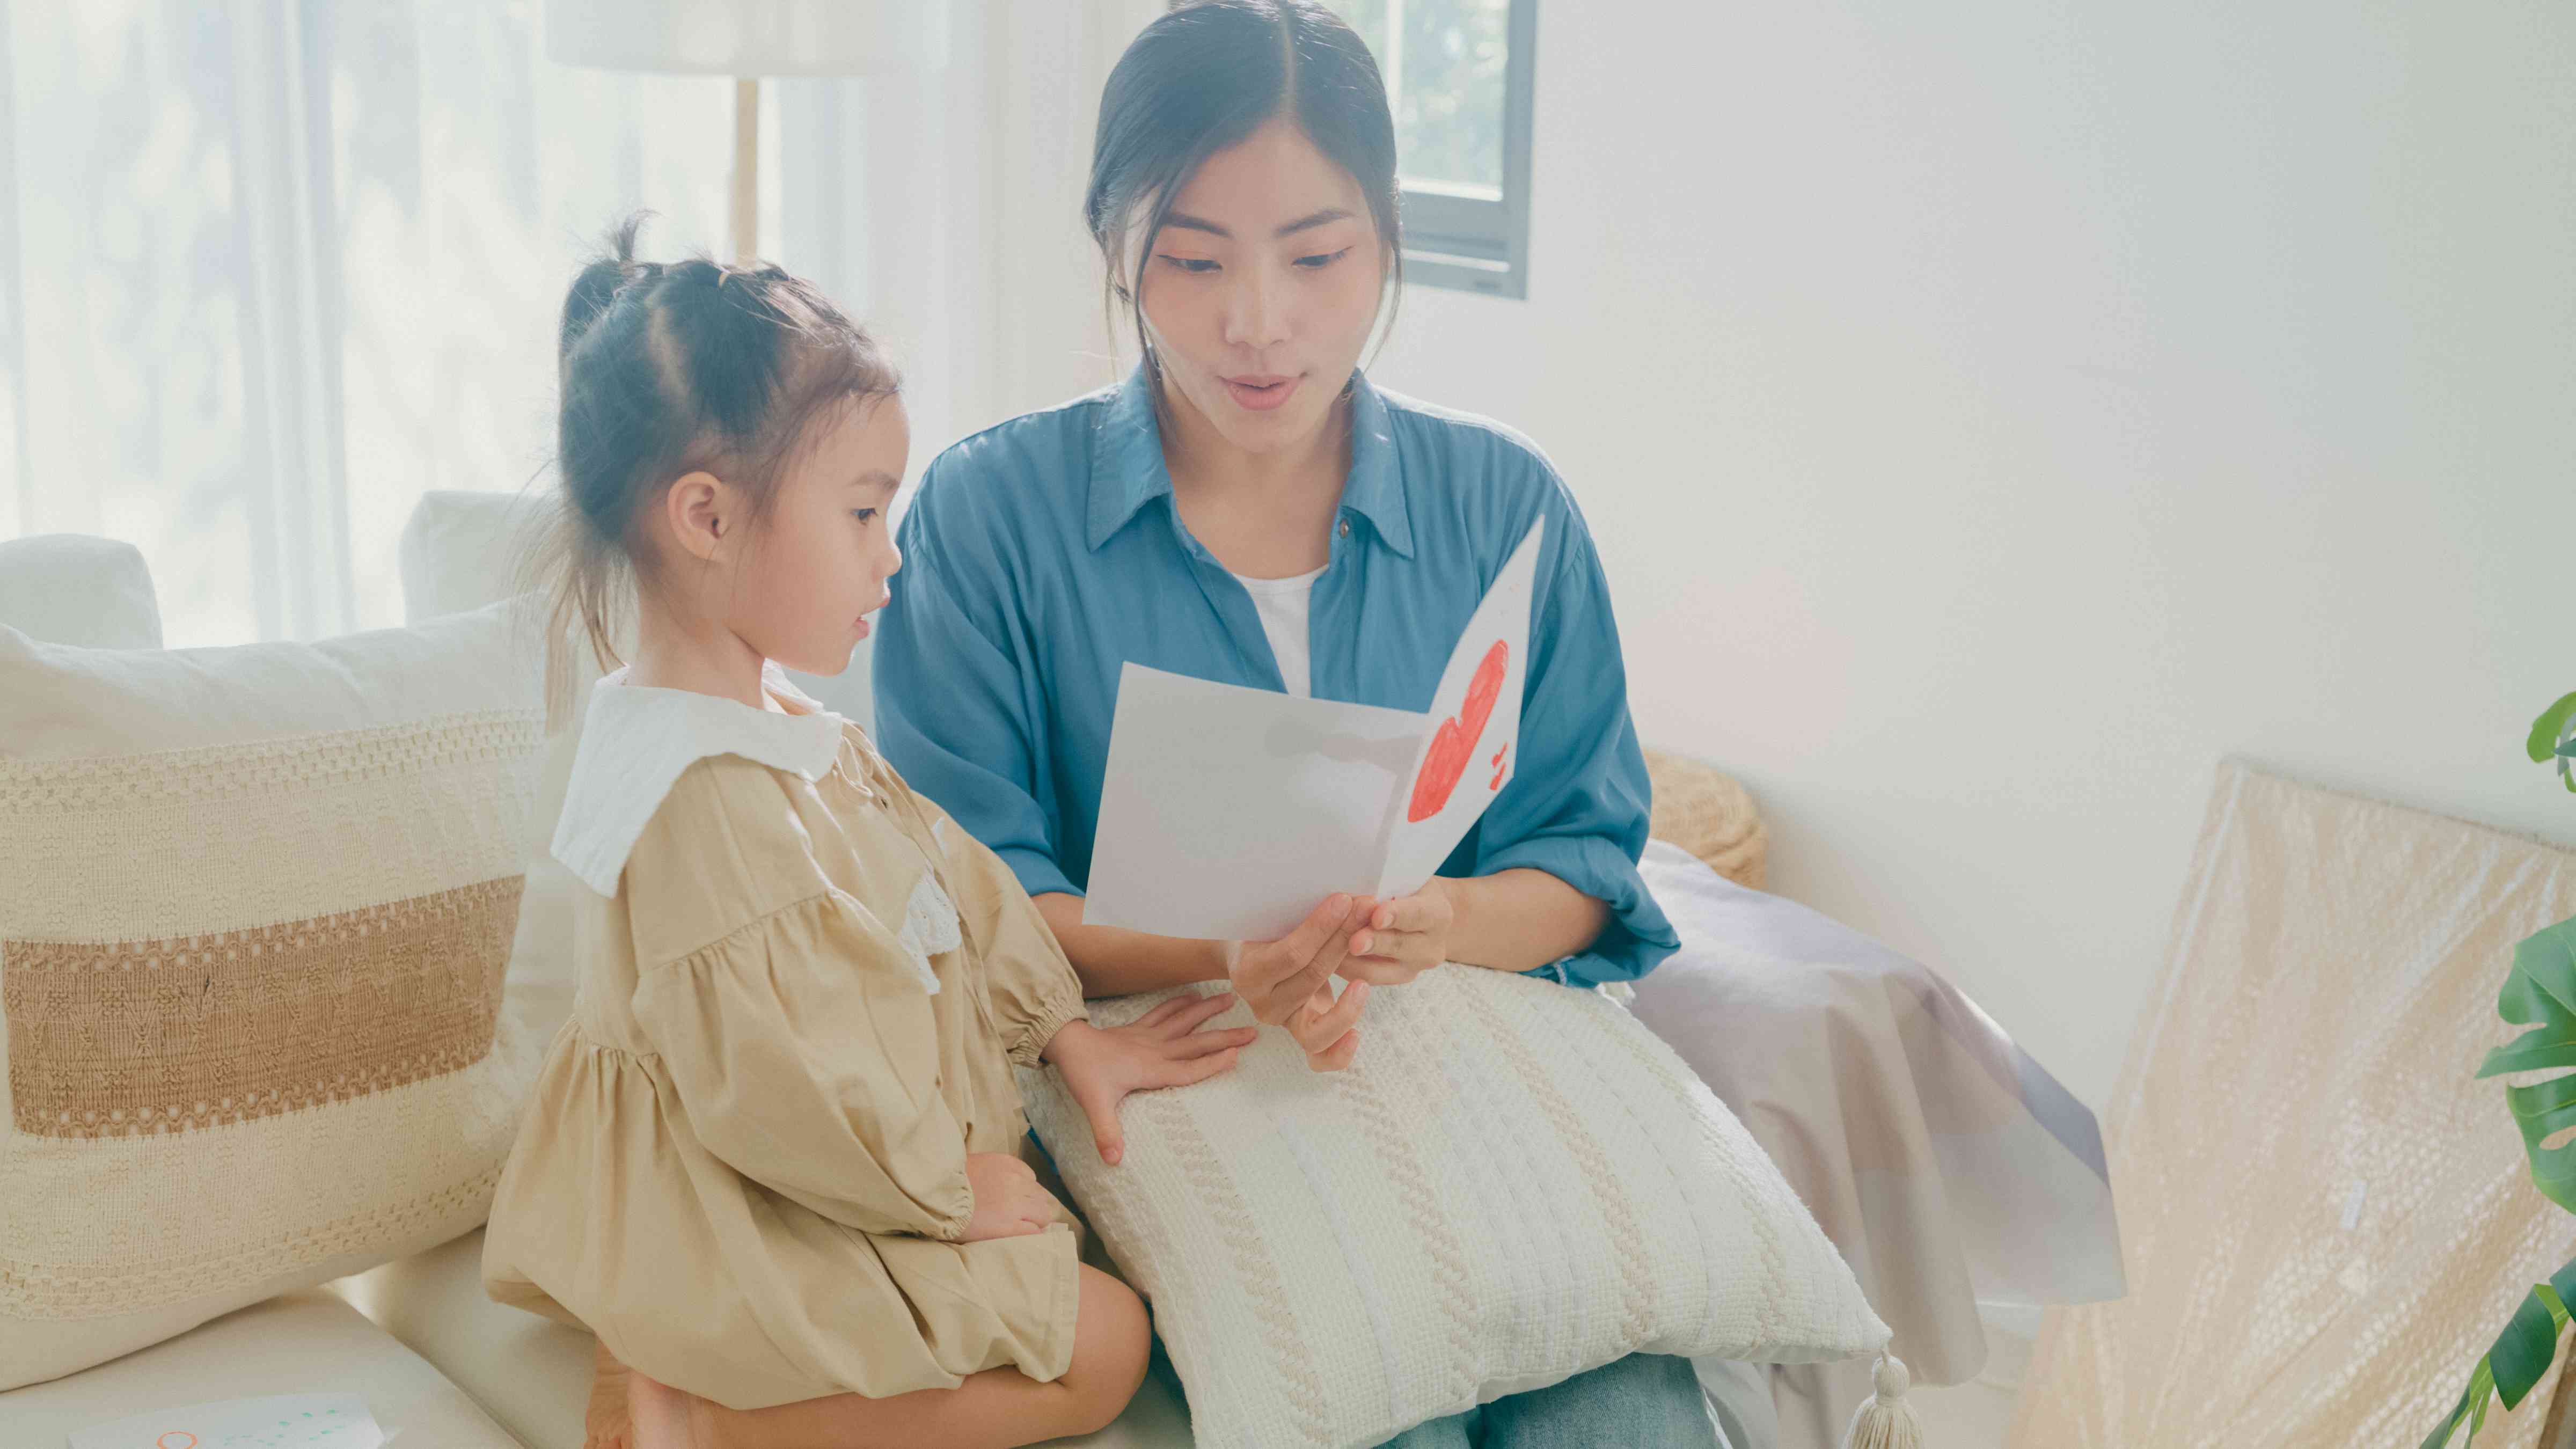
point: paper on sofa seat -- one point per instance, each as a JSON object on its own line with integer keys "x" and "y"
{"x": 283, "y": 1421}
{"x": 1228, "y": 813}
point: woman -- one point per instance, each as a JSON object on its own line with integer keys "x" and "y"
{"x": 1247, "y": 508}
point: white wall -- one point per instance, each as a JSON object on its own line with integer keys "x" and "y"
{"x": 1992, "y": 415}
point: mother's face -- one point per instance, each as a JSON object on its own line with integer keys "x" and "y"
{"x": 1261, "y": 289}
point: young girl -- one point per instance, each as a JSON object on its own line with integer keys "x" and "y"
{"x": 775, "y": 1159}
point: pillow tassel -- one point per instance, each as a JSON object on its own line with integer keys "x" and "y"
{"x": 1884, "y": 1420}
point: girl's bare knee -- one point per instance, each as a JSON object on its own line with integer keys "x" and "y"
{"x": 1112, "y": 1339}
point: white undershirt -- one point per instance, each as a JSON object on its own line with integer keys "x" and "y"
{"x": 1281, "y": 603}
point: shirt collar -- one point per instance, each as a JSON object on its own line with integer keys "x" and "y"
{"x": 637, "y": 740}
{"x": 1127, "y": 470}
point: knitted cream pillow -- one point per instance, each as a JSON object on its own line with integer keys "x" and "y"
{"x": 255, "y": 906}
{"x": 1514, "y": 1183}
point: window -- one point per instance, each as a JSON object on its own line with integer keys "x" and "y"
{"x": 1458, "y": 73}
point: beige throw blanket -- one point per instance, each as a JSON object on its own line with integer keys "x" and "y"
{"x": 2328, "y": 1219}
{"x": 1943, "y": 1161}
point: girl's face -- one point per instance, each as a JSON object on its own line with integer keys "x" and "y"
{"x": 800, "y": 595}
{"x": 1259, "y": 293}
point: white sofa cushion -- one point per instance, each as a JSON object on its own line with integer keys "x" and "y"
{"x": 1514, "y": 1183}
{"x": 252, "y": 954}
{"x": 303, "y": 1342}
{"x": 69, "y": 588}
{"x": 462, "y": 550}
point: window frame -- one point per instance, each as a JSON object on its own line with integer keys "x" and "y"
{"x": 1466, "y": 242}
{"x": 1460, "y": 240}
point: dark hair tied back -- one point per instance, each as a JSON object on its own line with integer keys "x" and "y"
{"x": 1200, "y": 80}
{"x": 669, "y": 369}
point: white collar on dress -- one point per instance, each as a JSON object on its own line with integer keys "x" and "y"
{"x": 637, "y": 739}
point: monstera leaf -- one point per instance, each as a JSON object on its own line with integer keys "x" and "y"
{"x": 2540, "y": 993}
{"x": 2553, "y": 736}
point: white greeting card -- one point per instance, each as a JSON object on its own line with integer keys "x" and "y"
{"x": 285, "y": 1421}
{"x": 1228, "y": 813}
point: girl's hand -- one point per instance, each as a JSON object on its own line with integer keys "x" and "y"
{"x": 1008, "y": 1201}
{"x": 1403, "y": 938}
{"x": 1281, "y": 978}
{"x": 1163, "y": 1048}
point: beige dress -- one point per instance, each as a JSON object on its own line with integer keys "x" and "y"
{"x": 801, "y": 992}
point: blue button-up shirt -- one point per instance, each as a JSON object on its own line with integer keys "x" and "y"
{"x": 1044, "y": 554}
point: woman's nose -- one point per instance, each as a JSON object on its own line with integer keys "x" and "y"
{"x": 1257, "y": 309}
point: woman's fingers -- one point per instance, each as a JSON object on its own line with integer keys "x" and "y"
{"x": 1382, "y": 970}
{"x": 1337, "y": 1056}
{"x": 1404, "y": 913}
{"x": 1337, "y": 948}
{"x": 1317, "y": 1031}
{"x": 1321, "y": 924}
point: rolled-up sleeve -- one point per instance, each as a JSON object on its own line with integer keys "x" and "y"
{"x": 1578, "y": 803}
{"x": 953, "y": 701}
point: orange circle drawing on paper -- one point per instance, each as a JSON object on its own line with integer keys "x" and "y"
{"x": 186, "y": 1440}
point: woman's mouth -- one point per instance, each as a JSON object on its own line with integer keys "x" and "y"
{"x": 1261, "y": 392}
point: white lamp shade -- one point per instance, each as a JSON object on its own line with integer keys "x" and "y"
{"x": 749, "y": 37}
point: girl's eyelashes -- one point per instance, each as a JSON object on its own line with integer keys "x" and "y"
{"x": 1322, "y": 260}
{"x": 864, "y": 515}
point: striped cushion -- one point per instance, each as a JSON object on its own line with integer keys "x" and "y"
{"x": 1514, "y": 1183}
{"x": 258, "y": 909}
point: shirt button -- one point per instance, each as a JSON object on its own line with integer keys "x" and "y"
{"x": 1346, "y": 528}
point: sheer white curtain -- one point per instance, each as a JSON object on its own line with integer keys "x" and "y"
{"x": 272, "y": 268}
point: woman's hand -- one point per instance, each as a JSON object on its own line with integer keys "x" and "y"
{"x": 1279, "y": 979}
{"x": 1329, "y": 1029}
{"x": 1008, "y": 1201}
{"x": 1403, "y": 938}
{"x": 1163, "y": 1048}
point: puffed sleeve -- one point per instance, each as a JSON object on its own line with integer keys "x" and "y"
{"x": 800, "y": 1042}
{"x": 1578, "y": 803}
{"x": 957, "y": 708}
{"x": 1033, "y": 987}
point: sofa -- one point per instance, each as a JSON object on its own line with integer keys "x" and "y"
{"x": 416, "y": 1337}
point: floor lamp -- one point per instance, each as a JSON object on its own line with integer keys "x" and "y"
{"x": 748, "y": 39}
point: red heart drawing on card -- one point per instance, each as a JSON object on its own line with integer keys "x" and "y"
{"x": 1454, "y": 743}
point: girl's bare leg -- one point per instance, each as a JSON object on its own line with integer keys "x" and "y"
{"x": 608, "y": 1421}
{"x": 996, "y": 1409}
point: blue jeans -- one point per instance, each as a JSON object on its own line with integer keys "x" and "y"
{"x": 1643, "y": 1401}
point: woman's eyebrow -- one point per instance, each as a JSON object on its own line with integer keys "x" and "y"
{"x": 1186, "y": 222}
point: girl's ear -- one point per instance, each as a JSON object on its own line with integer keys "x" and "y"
{"x": 700, "y": 512}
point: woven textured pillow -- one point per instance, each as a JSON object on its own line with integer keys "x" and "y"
{"x": 1514, "y": 1183}
{"x": 258, "y": 904}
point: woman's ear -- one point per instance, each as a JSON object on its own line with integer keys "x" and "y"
{"x": 701, "y": 514}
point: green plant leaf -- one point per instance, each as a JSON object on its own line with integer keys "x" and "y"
{"x": 2481, "y": 1384}
{"x": 2522, "y": 1352}
{"x": 2540, "y": 992}
{"x": 2550, "y": 730}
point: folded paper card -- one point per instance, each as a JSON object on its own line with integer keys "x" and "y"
{"x": 285, "y": 1421}
{"x": 1228, "y": 813}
